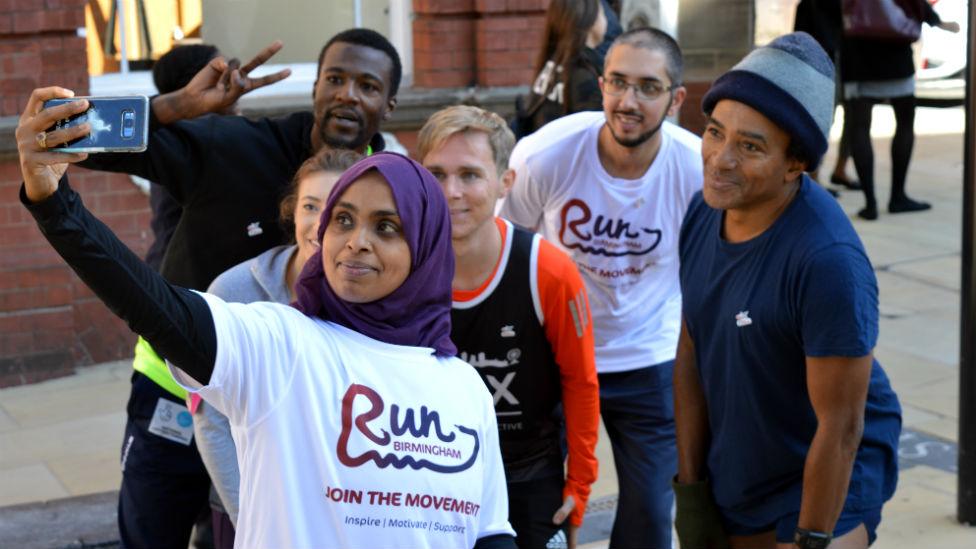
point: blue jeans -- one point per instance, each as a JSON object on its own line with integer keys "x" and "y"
{"x": 638, "y": 412}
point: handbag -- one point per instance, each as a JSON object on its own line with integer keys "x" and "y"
{"x": 886, "y": 20}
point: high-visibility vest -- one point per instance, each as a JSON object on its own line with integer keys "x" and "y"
{"x": 151, "y": 365}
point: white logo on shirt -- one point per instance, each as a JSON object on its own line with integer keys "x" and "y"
{"x": 508, "y": 331}
{"x": 481, "y": 360}
{"x": 254, "y": 228}
{"x": 557, "y": 541}
{"x": 742, "y": 319}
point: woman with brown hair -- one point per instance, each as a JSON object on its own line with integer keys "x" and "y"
{"x": 575, "y": 39}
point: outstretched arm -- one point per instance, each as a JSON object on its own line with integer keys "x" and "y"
{"x": 176, "y": 321}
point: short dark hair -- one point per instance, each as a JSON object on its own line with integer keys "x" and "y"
{"x": 179, "y": 65}
{"x": 655, "y": 40}
{"x": 370, "y": 39}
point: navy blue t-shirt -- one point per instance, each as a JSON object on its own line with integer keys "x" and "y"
{"x": 755, "y": 310}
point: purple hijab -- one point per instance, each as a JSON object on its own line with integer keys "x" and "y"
{"x": 418, "y": 313}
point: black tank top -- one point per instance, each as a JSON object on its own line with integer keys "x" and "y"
{"x": 500, "y": 334}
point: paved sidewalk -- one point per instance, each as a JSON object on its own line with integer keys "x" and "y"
{"x": 61, "y": 438}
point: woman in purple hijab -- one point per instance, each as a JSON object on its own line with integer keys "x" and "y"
{"x": 355, "y": 425}
{"x": 418, "y": 311}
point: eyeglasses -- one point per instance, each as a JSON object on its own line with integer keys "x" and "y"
{"x": 647, "y": 90}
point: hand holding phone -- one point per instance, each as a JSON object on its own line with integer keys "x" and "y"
{"x": 40, "y": 167}
{"x": 118, "y": 124}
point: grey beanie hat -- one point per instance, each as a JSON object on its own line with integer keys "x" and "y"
{"x": 791, "y": 82}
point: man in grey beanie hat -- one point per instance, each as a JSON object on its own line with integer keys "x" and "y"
{"x": 787, "y": 427}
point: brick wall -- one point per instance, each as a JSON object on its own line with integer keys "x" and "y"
{"x": 461, "y": 43}
{"x": 39, "y": 46}
{"x": 49, "y": 321}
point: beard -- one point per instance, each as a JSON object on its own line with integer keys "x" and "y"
{"x": 343, "y": 140}
{"x": 354, "y": 142}
{"x": 644, "y": 137}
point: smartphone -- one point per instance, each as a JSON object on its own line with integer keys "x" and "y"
{"x": 118, "y": 124}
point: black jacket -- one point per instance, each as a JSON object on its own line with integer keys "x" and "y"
{"x": 228, "y": 173}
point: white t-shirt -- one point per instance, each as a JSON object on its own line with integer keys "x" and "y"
{"x": 345, "y": 441}
{"x": 622, "y": 234}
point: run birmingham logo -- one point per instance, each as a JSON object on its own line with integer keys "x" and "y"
{"x": 422, "y": 424}
{"x": 605, "y": 236}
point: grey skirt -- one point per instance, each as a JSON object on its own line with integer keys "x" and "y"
{"x": 880, "y": 89}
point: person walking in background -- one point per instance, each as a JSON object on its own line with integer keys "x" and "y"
{"x": 610, "y": 190}
{"x": 877, "y": 71}
{"x": 821, "y": 19}
{"x": 575, "y": 39}
{"x": 787, "y": 427}
{"x": 270, "y": 276}
{"x": 521, "y": 317}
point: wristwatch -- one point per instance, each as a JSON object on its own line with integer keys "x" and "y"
{"x": 811, "y": 539}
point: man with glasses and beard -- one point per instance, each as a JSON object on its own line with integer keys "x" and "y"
{"x": 610, "y": 189}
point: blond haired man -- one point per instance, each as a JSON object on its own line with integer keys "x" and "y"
{"x": 521, "y": 318}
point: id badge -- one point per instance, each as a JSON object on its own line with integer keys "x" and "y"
{"x": 172, "y": 421}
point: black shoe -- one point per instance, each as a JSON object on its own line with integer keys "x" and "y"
{"x": 849, "y": 184}
{"x": 869, "y": 213}
{"x": 908, "y": 205}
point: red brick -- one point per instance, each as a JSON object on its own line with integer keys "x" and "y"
{"x": 6, "y": 24}
{"x": 426, "y": 23}
{"x": 25, "y": 64}
{"x": 444, "y": 78}
{"x": 28, "y": 255}
{"x": 65, "y": 3}
{"x": 60, "y": 317}
{"x": 441, "y": 40}
{"x": 118, "y": 202}
{"x": 10, "y": 171}
{"x": 20, "y": 235}
{"x": 62, "y": 19}
{"x": 51, "y": 43}
{"x": 35, "y": 298}
{"x": 504, "y": 77}
{"x": 27, "y": 22}
{"x": 74, "y": 42}
{"x": 28, "y": 5}
{"x": 511, "y": 59}
{"x": 18, "y": 46}
{"x": 8, "y": 107}
{"x": 441, "y": 7}
{"x": 15, "y": 343}
{"x": 691, "y": 116}
{"x": 14, "y": 214}
{"x": 17, "y": 85}
{"x": 41, "y": 276}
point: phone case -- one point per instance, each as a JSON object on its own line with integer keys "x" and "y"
{"x": 118, "y": 124}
